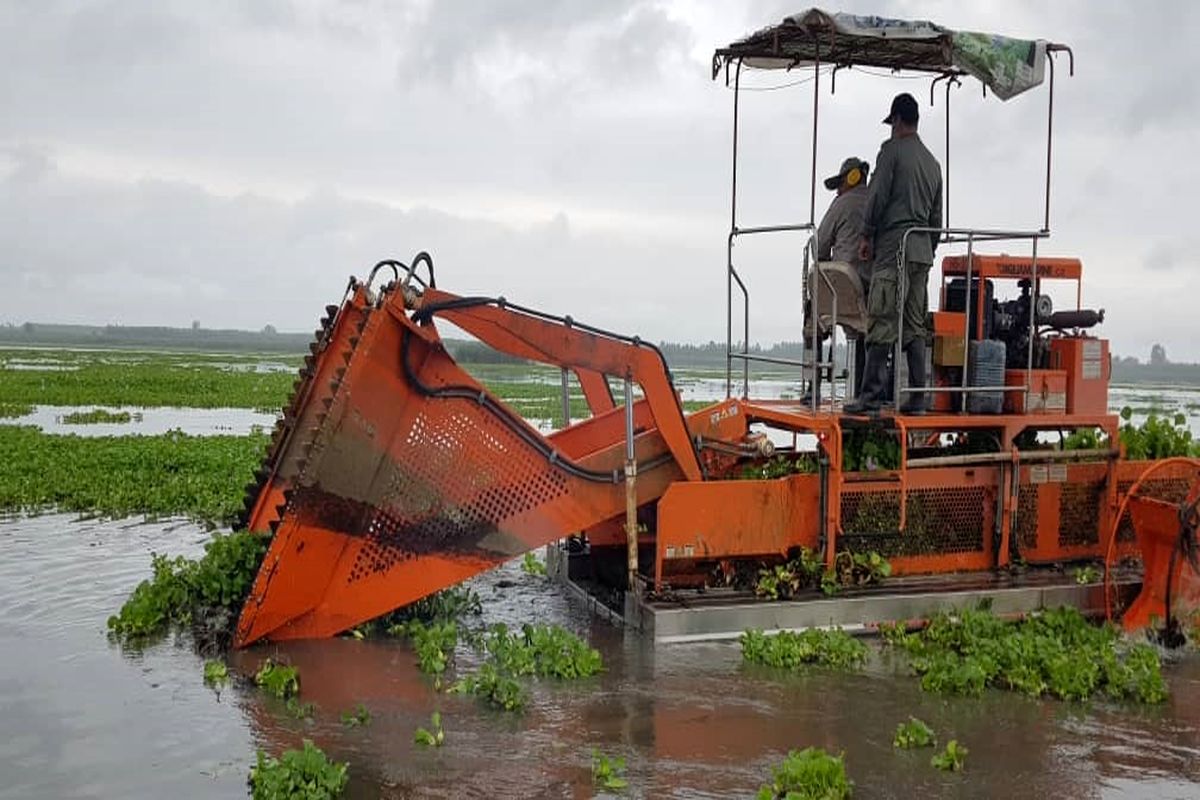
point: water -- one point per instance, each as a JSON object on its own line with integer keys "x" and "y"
{"x": 150, "y": 421}
{"x": 79, "y": 717}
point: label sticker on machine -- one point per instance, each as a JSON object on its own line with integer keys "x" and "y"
{"x": 1038, "y": 474}
{"x": 1091, "y": 360}
{"x": 1058, "y": 473}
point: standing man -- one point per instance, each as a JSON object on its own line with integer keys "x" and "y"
{"x": 905, "y": 192}
{"x": 838, "y": 237}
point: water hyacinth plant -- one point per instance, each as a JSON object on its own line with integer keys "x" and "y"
{"x": 952, "y": 758}
{"x": 433, "y": 736}
{"x": 173, "y": 474}
{"x": 608, "y": 772}
{"x": 530, "y": 565}
{"x": 1054, "y": 652}
{"x": 543, "y": 651}
{"x": 913, "y": 733}
{"x": 207, "y": 593}
{"x": 808, "y": 774}
{"x": 98, "y": 416}
{"x": 278, "y": 680}
{"x": 827, "y": 648}
{"x": 358, "y": 718}
{"x": 306, "y": 773}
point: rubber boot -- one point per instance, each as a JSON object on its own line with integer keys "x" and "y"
{"x": 874, "y": 377}
{"x": 914, "y": 353}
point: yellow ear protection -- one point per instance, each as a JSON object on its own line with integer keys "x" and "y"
{"x": 854, "y": 177}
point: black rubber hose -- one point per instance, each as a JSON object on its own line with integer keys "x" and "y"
{"x": 518, "y": 426}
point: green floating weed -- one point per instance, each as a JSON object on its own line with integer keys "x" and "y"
{"x": 828, "y": 648}
{"x": 543, "y": 651}
{"x": 171, "y": 474}
{"x": 808, "y": 774}
{"x": 170, "y": 380}
{"x": 781, "y": 466}
{"x": 1055, "y": 652}
{"x": 434, "y": 643}
{"x": 298, "y": 710}
{"x": 1157, "y": 437}
{"x": 530, "y": 565}
{"x": 10, "y": 410}
{"x": 357, "y": 718}
{"x": 952, "y": 758}
{"x": 432, "y": 737}
{"x": 807, "y": 570}
{"x": 278, "y": 680}
{"x": 306, "y": 773}
{"x": 97, "y": 416}
{"x": 913, "y": 733}
{"x": 449, "y": 605}
{"x": 547, "y": 651}
{"x": 216, "y": 673}
{"x": 210, "y": 590}
{"x": 494, "y": 688}
{"x": 608, "y": 773}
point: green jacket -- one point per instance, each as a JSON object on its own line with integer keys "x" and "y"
{"x": 905, "y": 192}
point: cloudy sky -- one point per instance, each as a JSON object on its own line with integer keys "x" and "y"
{"x": 233, "y": 162}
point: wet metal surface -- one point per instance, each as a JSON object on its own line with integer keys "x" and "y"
{"x": 81, "y": 718}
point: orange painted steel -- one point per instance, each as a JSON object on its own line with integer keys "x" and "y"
{"x": 1153, "y": 532}
{"x": 413, "y": 477}
{"x": 1013, "y": 267}
{"x": 1170, "y": 582}
{"x": 551, "y": 342}
{"x": 394, "y": 474}
{"x": 729, "y": 519}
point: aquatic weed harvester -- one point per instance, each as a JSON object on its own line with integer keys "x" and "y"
{"x": 394, "y": 473}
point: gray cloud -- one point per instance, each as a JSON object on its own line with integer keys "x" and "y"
{"x": 232, "y": 162}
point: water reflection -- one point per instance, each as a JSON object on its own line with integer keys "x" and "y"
{"x": 80, "y": 717}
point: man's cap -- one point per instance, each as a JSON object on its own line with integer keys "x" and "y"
{"x": 904, "y": 108}
{"x": 834, "y": 181}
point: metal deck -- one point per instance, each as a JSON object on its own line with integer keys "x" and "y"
{"x": 722, "y": 614}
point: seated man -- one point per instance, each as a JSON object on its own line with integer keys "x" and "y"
{"x": 837, "y": 240}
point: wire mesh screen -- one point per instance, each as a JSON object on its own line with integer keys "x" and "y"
{"x": 1173, "y": 489}
{"x": 938, "y": 520}
{"x": 466, "y": 475}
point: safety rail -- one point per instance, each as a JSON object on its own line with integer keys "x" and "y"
{"x": 970, "y": 236}
{"x": 731, "y": 277}
{"x": 811, "y": 366}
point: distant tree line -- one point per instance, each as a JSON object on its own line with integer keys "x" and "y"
{"x": 152, "y": 337}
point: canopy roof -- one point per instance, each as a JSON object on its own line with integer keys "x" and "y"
{"x": 1006, "y": 66}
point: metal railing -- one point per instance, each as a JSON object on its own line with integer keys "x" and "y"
{"x": 811, "y": 366}
{"x": 970, "y": 236}
{"x": 732, "y": 277}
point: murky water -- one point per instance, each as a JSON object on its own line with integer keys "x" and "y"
{"x": 79, "y": 717}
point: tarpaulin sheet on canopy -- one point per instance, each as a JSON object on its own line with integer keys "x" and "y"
{"x": 1005, "y": 65}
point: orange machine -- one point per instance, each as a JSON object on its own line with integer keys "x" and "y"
{"x": 393, "y": 473}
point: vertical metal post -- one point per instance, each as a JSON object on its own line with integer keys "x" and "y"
{"x": 1049, "y": 141}
{"x": 967, "y": 318}
{"x": 812, "y": 217}
{"x": 631, "y": 531}
{"x": 566, "y": 398}
{"x": 737, "y": 83}
{"x": 812, "y": 193}
{"x": 946, "y": 215}
{"x": 746, "y": 344}
{"x": 1037, "y": 285}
